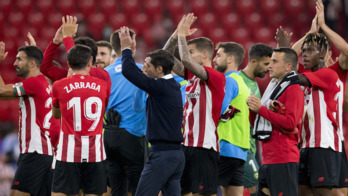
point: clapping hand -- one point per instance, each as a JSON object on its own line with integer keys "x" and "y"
{"x": 125, "y": 39}
{"x": 184, "y": 26}
{"x": 3, "y": 54}
{"x": 69, "y": 27}
{"x": 31, "y": 40}
{"x": 283, "y": 38}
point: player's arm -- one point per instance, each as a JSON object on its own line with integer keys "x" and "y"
{"x": 56, "y": 112}
{"x": 336, "y": 39}
{"x": 184, "y": 31}
{"x": 47, "y": 68}
{"x": 178, "y": 67}
{"x": 69, "y": 30}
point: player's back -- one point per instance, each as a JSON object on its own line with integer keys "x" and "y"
{"x": 82, "y": 100}
{"x": 36, "y": 119}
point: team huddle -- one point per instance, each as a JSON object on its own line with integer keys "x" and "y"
{"x": 178, "y": 125}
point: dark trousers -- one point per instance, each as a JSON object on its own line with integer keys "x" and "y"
{"x": 162, "y": 171}
{"x": 125, "y": 156}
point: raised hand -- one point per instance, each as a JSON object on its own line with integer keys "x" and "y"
{"x": 3, "y": 54}
{"x": 315, "y": 26}
{"x": 320, "y": 13}
{"x": 31, "y": 40}
{"x": 125, "y": 39}
{"x": 69, "y": 27}
{"x": 184, "y": 26}
{"x": 283, "y": 38}
{"x": 58, "y": 37}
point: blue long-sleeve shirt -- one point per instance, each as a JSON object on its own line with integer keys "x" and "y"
{"x": 164, "y": 109}
{"x": 122, "y": 98}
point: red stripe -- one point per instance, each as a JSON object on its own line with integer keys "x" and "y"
{"x": 317, "y": 123}
{"x": 202, "y": 113}
{"x": 306, "y": 128}
{"x": 44, "y": 142}
{"x": 65, "y": 147}
{"x": 336, "y": 138}
{"x": 190, "y": 121}
{"x": 190, "y": 118}
{"x": 217, "y": 141}
{"x": 20, "y": 130}
{"x": 28, "y": 124}
{"x": 91, "y": 150}
{"x": 77, "y": 152}
{"x": 101, "y": 147}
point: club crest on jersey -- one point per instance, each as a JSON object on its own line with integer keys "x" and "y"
{"x": 81, "y": 85}
{"x": 118, "y": 68}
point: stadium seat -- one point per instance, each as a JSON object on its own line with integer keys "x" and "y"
{"x": 240, "y": 35}
{"x": 131, "y": 8}
{"x": 87, "y": 7}
{"x": 199, "y": 7}
{"x": 153, "y": 9}
{"x": 218, "y": 35}
{"x": 231, "y": 22}
{"x": 293, "y": 7}
{"x": 108, "y": 7}
{"x": 253, "y": 21}
{"x": 263, "y": 34}
{"x": 6, "y": 6}
{"x": 207, "y": 22}
{"x": 269, "y": 6}
{"x": 96, "y": 25}
{"x": 176, "y": 9}
{"x": 140, "y": 22}
{"x": 222, "y": 8}
{"x": 33, "y": 31}
{"x": 245, "y": 7}
{"x": 66, "y": 7}
{"x": 36, "y": 19}
{"x": 24, "y": 6}
{"x": 11, "y": 33}
{"x": 48, "y": 32}
{"x": 118, "y": 20}
{"x": 45, "y": 6}
{"x": 275, "y": 20}
{"x": 16, "y": 19}
{"x": 55, "y": 20}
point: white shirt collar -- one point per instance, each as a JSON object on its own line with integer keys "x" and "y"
{"x": 168, "y": 76}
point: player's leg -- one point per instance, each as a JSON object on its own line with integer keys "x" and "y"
{"x": 251, "y": 175}
{"x": 31, "y": 175}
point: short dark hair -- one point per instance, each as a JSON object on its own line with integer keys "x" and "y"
{"x": 318, "y": 39}
{"x": 33, "y": 53}
{"x": 289, "y": 57}
{"x": 78, "y": 56}
{"x": 233, "y": 49}
{"x": 90, "y": 43}
{"x": 104, "y": 43}
{"x": 259, "y": 50}
{"x": 162, "y": 58}
{"x": 115, "y": 40}
{"x": 203, "y": 44}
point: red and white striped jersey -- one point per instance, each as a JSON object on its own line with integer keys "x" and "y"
{"x": 320, "y": 128}
{"x": 82, "y": 100}
{"x": 35, "y": 115}
{"x": 342, "y": 76}
{"x": 202, "y": 109}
